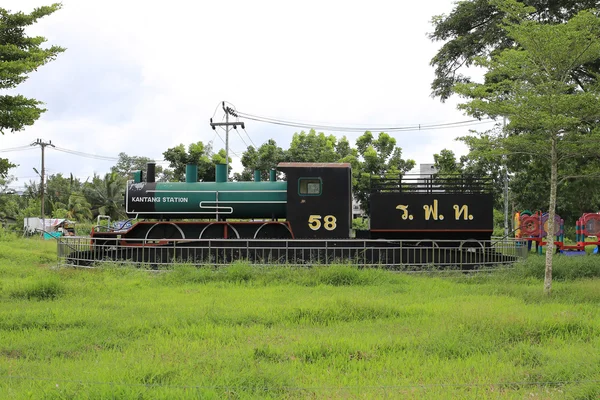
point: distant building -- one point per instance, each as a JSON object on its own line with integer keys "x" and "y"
{"x": 426, "y": 170}
{"x": 357, "y": 211}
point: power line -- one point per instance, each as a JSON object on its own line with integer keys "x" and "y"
{"x": 20, "y": 148}
{"x": 409, "y": 128}
{"x": 252, "y": 141}
{"x": 87, "y": 155}
{"x": 241, "y": 137}
{"x": 233, "y": 111}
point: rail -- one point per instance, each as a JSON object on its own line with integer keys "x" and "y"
{"x": 435, "y": 183}
{"x": 398, "y": 255}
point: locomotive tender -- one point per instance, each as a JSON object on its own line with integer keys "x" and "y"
{"x": 314, "y": 202}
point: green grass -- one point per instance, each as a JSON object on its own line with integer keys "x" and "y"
{"x": 324, "y": 332}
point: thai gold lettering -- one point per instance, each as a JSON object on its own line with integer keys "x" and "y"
{"x": 464, "y": 211}
{"x": 431, "y": 211}
{"x": 404, "y": 209}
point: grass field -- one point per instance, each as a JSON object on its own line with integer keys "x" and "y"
{"x": 325, "y": 332}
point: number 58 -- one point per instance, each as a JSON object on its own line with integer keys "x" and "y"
{"x": 329, "y": 222}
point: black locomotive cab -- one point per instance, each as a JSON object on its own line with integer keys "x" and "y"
{"x": 319, "y": 199}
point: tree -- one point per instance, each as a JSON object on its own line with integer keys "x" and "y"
{"x": 197, "y": 153}
{"x": 445, "y": 163}
{"x": 264, "y": 159}
{"x": 474, "y": 28}
{"x": 5, "y": 165}
{"x": 551, "y": 112}
{"x": 476, "y": 164}
{"x": 105, "y": 196}
{"x": 20, "y": 55}
{"x": 312, "y": 147}
{"x": 58, "y": 192}
{"x": 78, "y": 208}
{"x": 127, "y": 164}
{"x": 9, "y": 200}
{"x": 573, "y": 196}
{"x": 380, "y": 158}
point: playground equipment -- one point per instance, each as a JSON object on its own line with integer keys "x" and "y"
{"x": 534, "y": 227}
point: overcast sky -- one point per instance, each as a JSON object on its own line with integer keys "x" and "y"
{"x": 142, "y": 76}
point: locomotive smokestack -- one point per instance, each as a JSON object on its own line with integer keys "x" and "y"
{"x": 150, "y": 172}
{"x": 138, "y": 176}
{"x": 191, "y": 173}
{"x": 256, "y": 175}
{"x": 272, "y": 175}
{"x": 221, "y": 173}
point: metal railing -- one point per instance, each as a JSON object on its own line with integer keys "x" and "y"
{"x": 435, "y": 183}
{"x": 399, "y": 255}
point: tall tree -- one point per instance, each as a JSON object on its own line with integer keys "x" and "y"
{"x": 551, "y": 112}
{"x": 312, "y": 147}
{"x": 378, "y": 158}
{"x": 446, "y": 164}
{"x": 266, "y": 157}
{"x": 78, "y": 208}
{"x": 58, "y": 191}
{"x": 5, "y": 165}
{"x": 9, "y": 200}
{"x": 105, "y": 195}
{"x": 474, "y": 28}
{"x": 19, "y": 56}
{"x": 478, "y": 163}
{"x": 127, "y": 164}
{"x": 196, "y": 153}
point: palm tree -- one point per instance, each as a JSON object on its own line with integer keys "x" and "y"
{"x": 106, "y": 195}
{"x": 79, "y": 209}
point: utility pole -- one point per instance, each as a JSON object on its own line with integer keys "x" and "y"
{"x": 505, "y": 185}
{"x": 43, "y": 145}
{"x": 228, "y": 111}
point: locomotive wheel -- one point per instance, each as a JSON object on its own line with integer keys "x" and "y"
{"x": 164, "y": 231}
{"x": 273, "y": 231}
{"x": 217, "y": 231}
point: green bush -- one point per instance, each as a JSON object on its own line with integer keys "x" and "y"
{"x": 46, "y": 289}
{"x": 339, "y": 275}
{"x": 563, "y": 267}
{"x": 239, "y": 272}
{"x": 7, "y": 235}
{"x": 360, "y": 224}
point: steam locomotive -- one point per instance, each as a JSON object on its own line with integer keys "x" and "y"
{"x": 311, "y": 207}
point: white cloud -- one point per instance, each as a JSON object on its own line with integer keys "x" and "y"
{"x": 141, "y": 76}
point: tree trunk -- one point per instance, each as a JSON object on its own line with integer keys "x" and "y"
{"x": 551, "y": 214}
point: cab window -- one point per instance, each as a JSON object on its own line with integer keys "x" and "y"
{"x": 309, "y": 186}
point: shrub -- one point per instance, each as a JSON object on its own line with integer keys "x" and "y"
{"x": 563, "y": 267}
{"x": 48, "y": 289}
{"x": 339, "y": 275}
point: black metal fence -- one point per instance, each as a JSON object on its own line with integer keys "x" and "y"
{"x": 399, "y": 255}
{"x": 435, "y": 183}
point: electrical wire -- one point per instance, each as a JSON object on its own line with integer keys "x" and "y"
{"x": 252, "y": 141}
{"x": 230, "y": 151}
{"x": 410, "y": 128}
{"x": 87, "y": 155}
{"x": 241, "y": 137}
{"x": 235, "y": 114}
{"x": 20, "y": 148}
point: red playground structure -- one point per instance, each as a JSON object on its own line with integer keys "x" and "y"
{"x": 533, "y": 227}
